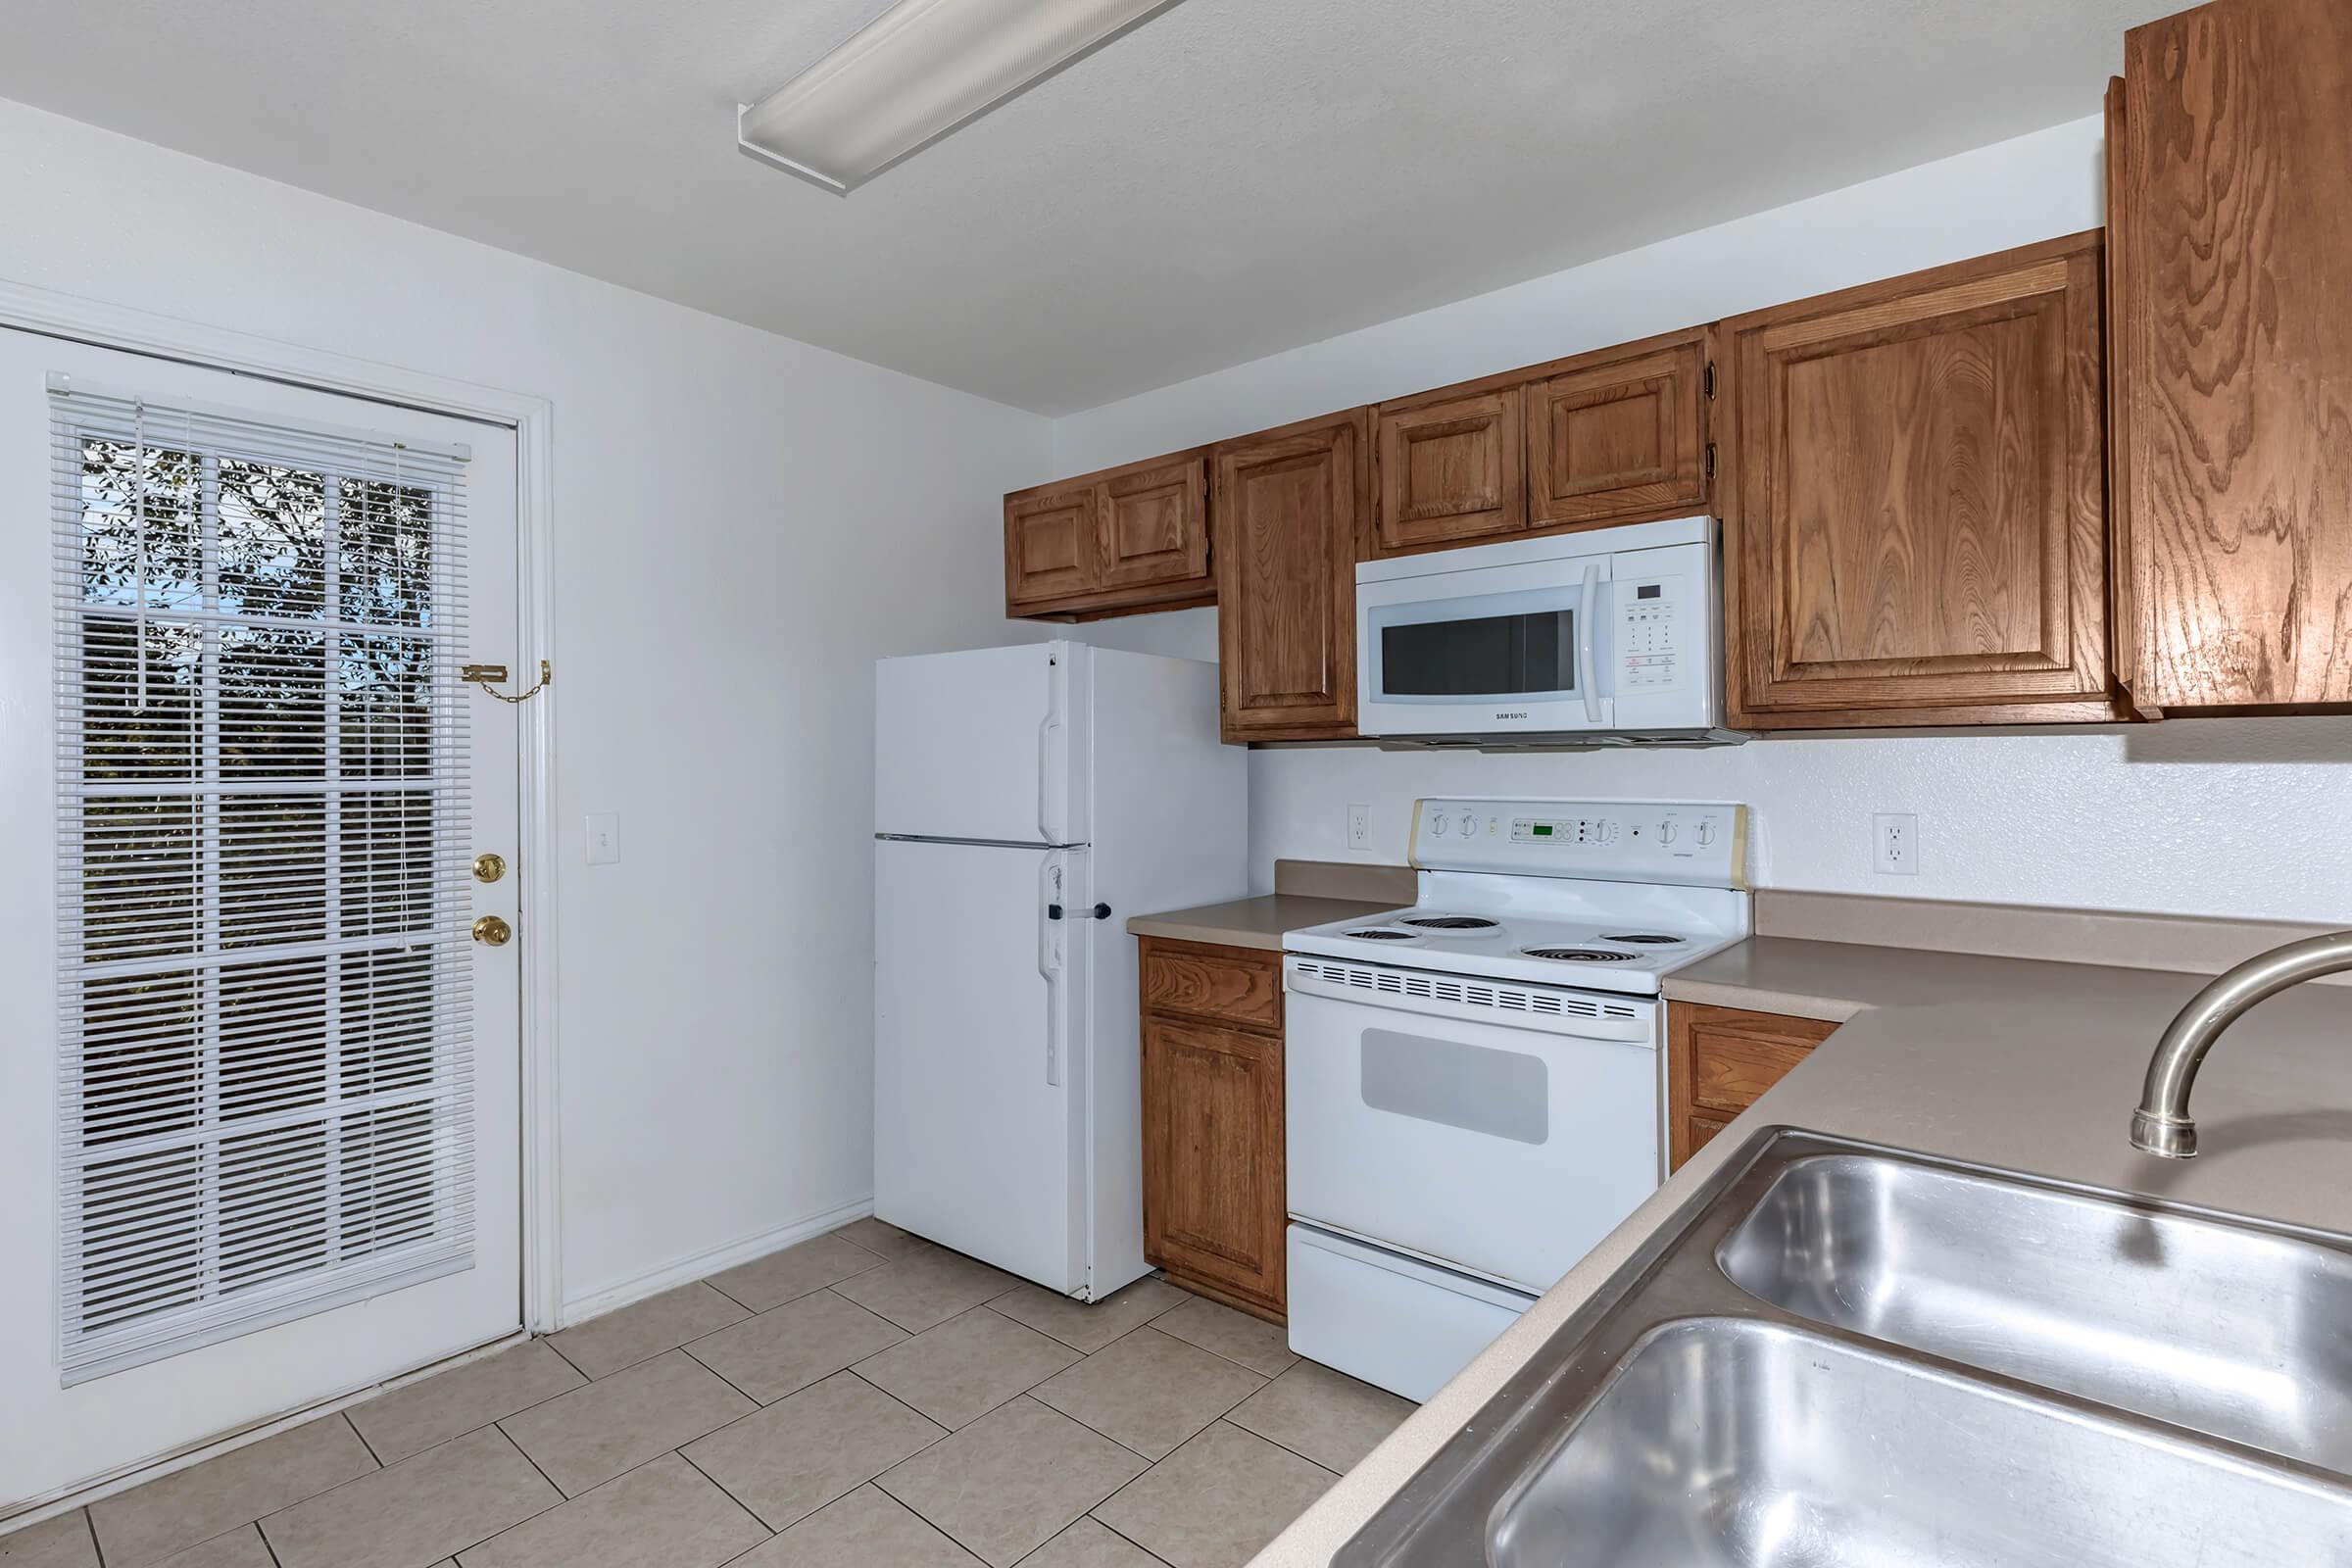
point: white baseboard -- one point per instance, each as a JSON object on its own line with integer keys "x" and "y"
{"x": 688, "y": 1269}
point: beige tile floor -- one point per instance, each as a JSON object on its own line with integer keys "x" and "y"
{"x": 860, "y": 1401}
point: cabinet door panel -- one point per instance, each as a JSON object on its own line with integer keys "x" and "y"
{"x": 1213, "y": 1175}
{"x": 1289, "y": 508}
{"x": 2231, "y": 211}
{"x": 1618, "y": 439}
{"x": 1452, "y": 470}
{"x": 1156, "y": 524}
{"x": 1919, "y": 519}
{"x": 1050, "y": 546}
{"x": 1720, "y": 1060}
{"x": 1240, "y": 987}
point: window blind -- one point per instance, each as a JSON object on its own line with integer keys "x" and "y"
{"x": 264, "y": 1090}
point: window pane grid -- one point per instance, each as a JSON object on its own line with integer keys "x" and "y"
{"x": 266, "y": 1093}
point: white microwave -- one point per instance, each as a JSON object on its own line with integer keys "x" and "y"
{"x": 1613, "y": 635}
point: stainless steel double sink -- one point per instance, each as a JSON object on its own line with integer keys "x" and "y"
{"x": 1838, "y": 1354}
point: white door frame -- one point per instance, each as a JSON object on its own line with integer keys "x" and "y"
{"x": 116, "y": 327}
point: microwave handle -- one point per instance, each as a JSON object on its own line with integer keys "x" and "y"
{"x": 1588, "y": 679}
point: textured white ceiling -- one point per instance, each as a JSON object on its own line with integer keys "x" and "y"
{"x": 1234, "y": 177}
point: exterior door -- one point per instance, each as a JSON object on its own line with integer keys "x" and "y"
{"x": 258, "y": 1117}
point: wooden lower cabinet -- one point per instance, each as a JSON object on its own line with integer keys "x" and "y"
{"x": 1215, "y": 1208}
{"x": 1720, "y": 1060}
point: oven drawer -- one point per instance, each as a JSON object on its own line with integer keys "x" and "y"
{"x": 1395, "y": 1323}
{"x": 1499, "y": 1150}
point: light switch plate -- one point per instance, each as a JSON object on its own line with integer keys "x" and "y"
{"x": 604, "y": 837}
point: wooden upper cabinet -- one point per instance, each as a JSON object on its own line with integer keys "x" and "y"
{"x": 1127, "y": 539}
{"x": 1156, "y": 524}
{"x": 1917, "y": 533}
{"x": 1292, "y": 508}
{"x": 1451, "y": 470}
{"x": 2229, "y": 214}
{"x": 1617, "y": 435}
{"x": 1621, "y": 435}
{"x": 1049, "y": 549}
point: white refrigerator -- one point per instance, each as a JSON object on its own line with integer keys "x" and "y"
{"x": 1027, "y": 800}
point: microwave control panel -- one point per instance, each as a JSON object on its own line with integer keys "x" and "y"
{"x": 1697, "y": 843}
{"x": 1649, "y": 647}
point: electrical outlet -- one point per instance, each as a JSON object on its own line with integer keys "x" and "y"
{"x": 1360, "y": 827}
{"x": 1894, "y": 844}
{"x": 604, "y": 837}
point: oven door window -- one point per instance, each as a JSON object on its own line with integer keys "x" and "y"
{"x": 1502, "y": 1093}
{"x": 1489, "y": 646}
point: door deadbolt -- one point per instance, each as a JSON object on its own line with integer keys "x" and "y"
{"x": 489, "y": 867}
{"x": 491, "y": 931}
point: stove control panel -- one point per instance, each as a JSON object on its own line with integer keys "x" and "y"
{"x": 1697, "y": 843}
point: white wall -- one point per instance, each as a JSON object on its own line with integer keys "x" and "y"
{"x": 2240, "y": 818}
{"x": 741, "y": 524}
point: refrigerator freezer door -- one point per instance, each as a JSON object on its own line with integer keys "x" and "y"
{"x": 980, "y": 744}
{"x": 976, "y": 1070}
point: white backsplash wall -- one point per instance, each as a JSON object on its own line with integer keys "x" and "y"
{"x": 2241, "y": 817}
{"x": 2238, "y": 817}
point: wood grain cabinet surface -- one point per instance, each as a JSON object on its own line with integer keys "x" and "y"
{"x": 1452, "y": 468}
{"x": 1293, "y": 510}
{"x": 1117, "y": 542}
{"x": 1620, "y": 435}
{"x": 1916, "y": 528}
{"x": 1720, "y": 1060}
{"x": 1214, "y": 1174}
{"x": 2230, "y": 221}
{"x": 1617, "y": 435}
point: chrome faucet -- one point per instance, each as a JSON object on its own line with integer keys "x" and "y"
{"x": 2161, "y": 1125}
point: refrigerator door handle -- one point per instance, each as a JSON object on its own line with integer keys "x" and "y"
{"x": 1049, "y": 928}
{"x": 1052, "y": 781}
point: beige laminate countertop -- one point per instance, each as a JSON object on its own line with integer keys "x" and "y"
{"x": 2009, "y": 1062}
{"x": 1251, "y": 922}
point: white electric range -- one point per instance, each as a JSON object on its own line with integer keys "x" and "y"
{"x": 1474, "y": 1086}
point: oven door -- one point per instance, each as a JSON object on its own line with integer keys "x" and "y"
{"x": 1455, "y": 1132}
{"x": 1518, "y": 646}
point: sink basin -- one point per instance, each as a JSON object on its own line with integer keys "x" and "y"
{"x": 2232, "y": 1330}
{"x": 1841, "y": 1355}
{"x": 1731, "y": 1444}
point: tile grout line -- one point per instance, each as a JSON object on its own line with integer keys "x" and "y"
{"x": 945, "y": 1431}
{"x": 362, "y": 1437}
{"x": 1114, "y": 1529}
{"x": 562, "y": 1498}
{"x": 711, "y": 1280}
{"x": 757, "y": 1405}
{"x": 98, "y": 1552}
{"x": 750, "y": 1512}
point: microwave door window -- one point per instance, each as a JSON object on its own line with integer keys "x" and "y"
{"x": 1489, "y": 655}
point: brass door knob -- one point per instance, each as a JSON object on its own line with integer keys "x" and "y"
{"x": 489, "y": 867}
{"x": 491, "y": 931}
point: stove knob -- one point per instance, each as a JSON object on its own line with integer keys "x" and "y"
{"x": 1438, "y": 826}
{"x": 1706, "y": 832}
{"x": 1469, "y": 824}
{"x": 1668, "y": 831}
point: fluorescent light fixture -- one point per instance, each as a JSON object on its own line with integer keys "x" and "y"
{"x": 916, "y": 72}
